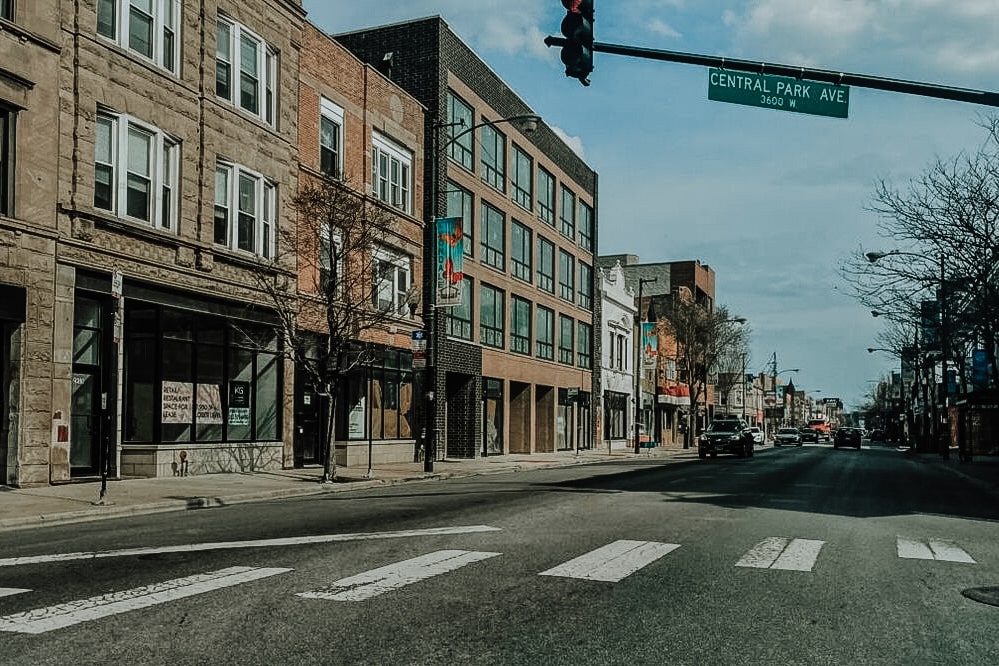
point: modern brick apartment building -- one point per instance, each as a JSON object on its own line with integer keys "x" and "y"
{"x": 516, "y": 356}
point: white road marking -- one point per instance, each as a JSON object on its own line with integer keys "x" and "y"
{"x": 782, "y": 553}
{"x": 258, "y": 543}
{"x": 934, "y": 549}
{"x": 384, "y": 579}
{"x": 614, "y": 561}
{"x": 11, "y": 591}
{"x": 64, "y": 615}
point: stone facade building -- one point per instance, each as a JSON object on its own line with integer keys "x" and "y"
{"x": 516, "y": 355}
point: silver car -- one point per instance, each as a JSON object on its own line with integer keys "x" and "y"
{"x": 787, "y": 436}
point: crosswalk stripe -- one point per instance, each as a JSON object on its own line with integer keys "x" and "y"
{"x": 783, "y": 553}
{"x": 64, "y": 615}
{"x": 614, "y": 561}
{"x": 934, "y": 549}
{"x": 383, "y": 579}
{"x": 10, "y": 591}
{"x": 256, "y": 543}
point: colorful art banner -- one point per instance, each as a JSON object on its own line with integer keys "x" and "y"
{"x": 450, "y": 255}
{"x": 650, "y": 345}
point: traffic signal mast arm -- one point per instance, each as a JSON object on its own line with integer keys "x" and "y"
{"x": 982, "y": 97}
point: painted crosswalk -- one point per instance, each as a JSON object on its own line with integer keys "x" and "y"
{"x": 783, "y": 553}
{"x": 383, "y": 579}
{"x": 42, "y": 620}
{"x": 614, "y": 561}
{"x": 932, "y": 549}
{"x": 611, "y": 563}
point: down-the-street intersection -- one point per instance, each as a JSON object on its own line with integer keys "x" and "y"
{"x": 806, "y": 555}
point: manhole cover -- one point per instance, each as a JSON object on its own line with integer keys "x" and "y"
{"x": 985, "y": 595}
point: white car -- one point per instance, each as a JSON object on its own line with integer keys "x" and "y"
{"x": 757, "y": 434}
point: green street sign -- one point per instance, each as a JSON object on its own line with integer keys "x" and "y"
{"x": 784, "y": 93}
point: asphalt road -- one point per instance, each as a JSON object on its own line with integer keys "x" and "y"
{"x": 797, "y": 556}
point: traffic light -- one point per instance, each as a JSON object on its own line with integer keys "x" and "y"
{"x": 577, "y": 26}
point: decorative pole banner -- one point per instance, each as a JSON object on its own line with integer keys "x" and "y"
{"x": 650, "y": 345}
{"x": 450, "y": 253}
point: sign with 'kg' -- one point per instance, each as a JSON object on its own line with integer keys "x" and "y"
{"x": 784, "y": 93}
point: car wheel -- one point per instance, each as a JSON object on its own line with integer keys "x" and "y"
{"x": 799, "y": 443}
{"x": 714, "y": 455}
{"x": 776, "y": 445}
{"x": 702, "y": 454}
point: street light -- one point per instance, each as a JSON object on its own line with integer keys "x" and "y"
{"x": 942, "y": 436}
{"x": 527, "y": 123}
{"x": 639, "y": 317}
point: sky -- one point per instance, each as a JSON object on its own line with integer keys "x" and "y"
{"x": 773, "y": 201}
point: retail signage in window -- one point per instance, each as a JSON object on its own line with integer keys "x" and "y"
{"x": 177, "y": 399}
{"x": 209, "y": 404}
{"x": 239, "y": 403}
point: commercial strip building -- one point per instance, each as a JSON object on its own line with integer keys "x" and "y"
{"x": 665, "y": 390}
{"x": 514, "y": 358}
{"x": 148, "y": 167}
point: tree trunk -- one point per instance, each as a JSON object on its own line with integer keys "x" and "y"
{"x": 329, "y": 456}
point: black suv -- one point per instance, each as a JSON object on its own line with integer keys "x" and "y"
{"x": 726, "y": 436}
{"x": 848, "y": 437}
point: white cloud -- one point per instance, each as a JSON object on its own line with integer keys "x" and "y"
{"x": 660, "y": 27}
{"x": 574, "y": 142}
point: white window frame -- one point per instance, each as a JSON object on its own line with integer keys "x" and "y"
{"x": 400, "y": 265}
{"x": 161, "y": 170}
{"x": 264, "y": 213}
{"x": 265, "y": 64}
{"x": 391, "y": 173}
{"x": 334, "y": 114}
{"x": 331, "y": 239}
{"x": 165, "y": 17}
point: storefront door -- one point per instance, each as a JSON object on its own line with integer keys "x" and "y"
{"x": 92, "y": 381}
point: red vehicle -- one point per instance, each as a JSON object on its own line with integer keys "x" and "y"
{"x": 822, "y": 427}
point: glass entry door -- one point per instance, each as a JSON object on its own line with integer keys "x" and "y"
{"x": 89, "y": 422}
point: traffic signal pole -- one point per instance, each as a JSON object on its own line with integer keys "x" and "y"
{"x": 982, "y": 97}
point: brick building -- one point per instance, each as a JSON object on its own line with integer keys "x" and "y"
{"x": 666, "y": 398}
{"x": 357, "y": 127}
{"x": 516, "y": 354}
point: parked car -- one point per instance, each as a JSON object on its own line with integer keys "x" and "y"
{"x": 848, "y": 437}
{"x": 726, "y": 436}
{"x": 787, "y": 436}
{"x": 809, "y": 435}
{"x": 757, "y": 434}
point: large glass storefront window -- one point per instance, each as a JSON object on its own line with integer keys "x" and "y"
{"x": 377, "y": 400}
{"x": 194, "y": 377}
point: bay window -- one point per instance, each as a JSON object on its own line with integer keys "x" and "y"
{"x": 245, "y": 210}
{"x": 135, "y": 171}
{"x": 147, "y": 27}
{"x": 240, "y": 52}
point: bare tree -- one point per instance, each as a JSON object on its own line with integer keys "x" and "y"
{"x": 943, "y": 228}
{"x": 339, "y": 295}
{"x": 702, "y": 336}
{"x": 730, "y": 369}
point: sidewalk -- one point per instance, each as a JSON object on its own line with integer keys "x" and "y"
{"x": 983, "y": 472}
{"x": 77, "y": 502}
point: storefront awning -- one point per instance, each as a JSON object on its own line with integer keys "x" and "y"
{"x": 675, "y": 395}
